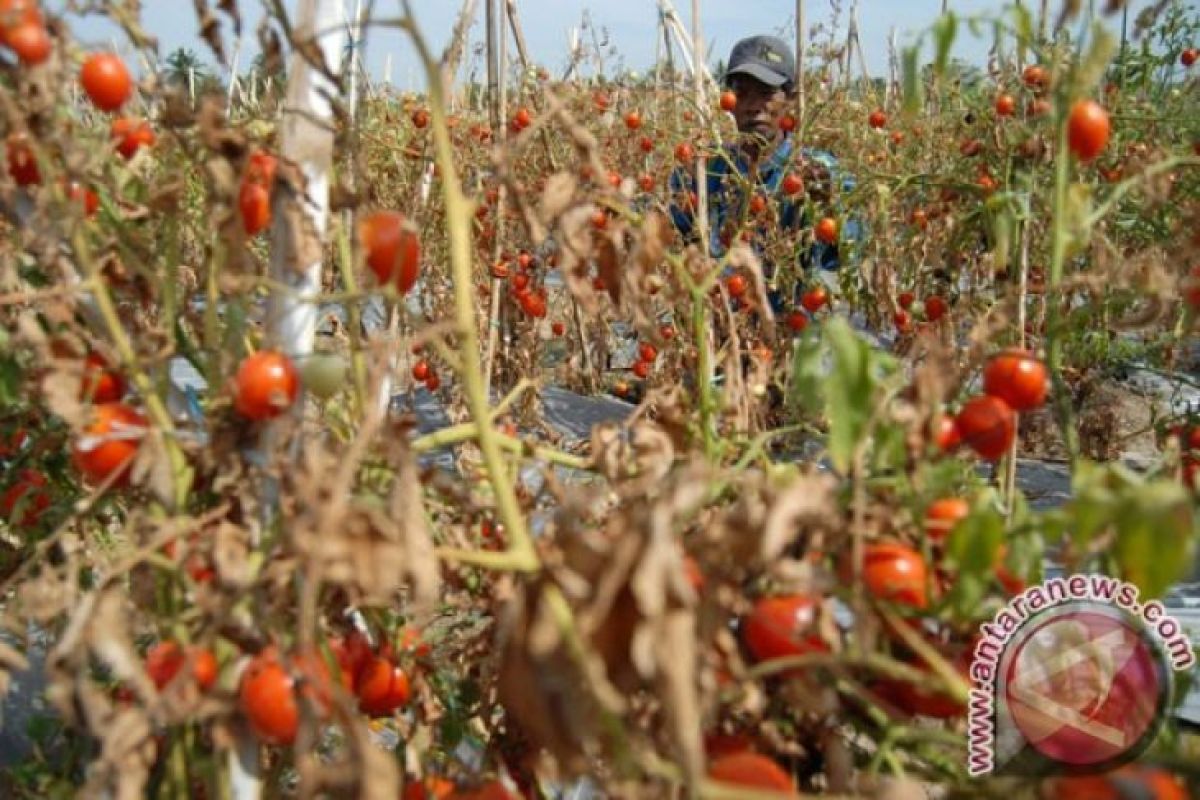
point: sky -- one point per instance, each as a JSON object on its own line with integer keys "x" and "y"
{"x": 630, "y": 24}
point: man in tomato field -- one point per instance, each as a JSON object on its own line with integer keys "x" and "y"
{"x": 760, "y": 170}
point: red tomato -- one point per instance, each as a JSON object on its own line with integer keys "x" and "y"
{"x": 492, "y": 790}
{"x": 943, "y": 514}
{"x": 647, "y": 352}
{"x": 100, "y": 384}
{"x": 392, "y": 247}
{"x": 421, "y": 370}
{"x": 787, "y": 123}
{"x": 935, "y": 308}
{"x": 267, "y": 694}
{"x": 946, "y": 434}
{"x": 1087, "y": 129}
{"x": 919, "y": 218}
{"x": 685, "y": 153}
{"x": 971, "y": 148}
{"x": 166, "y": 658}
{"x": 109, "y": 442}
{"x": 520, "y": 282}
{"x": 16, "y": 13}
{"x": 558, "y": 328}
{"x": 106, "y": 80}
{"x": 895, "y": 572}
{"x": 1188, "y": 56}
{"x": 82, "y": 197}
{"x": 646, "y": 182}
{"x": 600, "y": 219}
{"x": 758, "y": 203}
{"x": 31, "y": 42}
{"x": 1035, "y": 76}
{"x": 814, "y": 299}
{"x": 266, "y": 385}
{"x": 906, "y": 299}
{"x": 382, "y": 688}
{"x": 420, "y": 118}
{"x": 131, "y": 135}
{"x": 431, "y": 788}
{"x": 783, "y": 626}
{"x": 797, "y": 321}
{"x": 877, "y": 119}
{"x": 534, "y": 304}
{"x": 646, "y": 144}
{"x": 1039, "y": 107}
{"x": 793, "y": 184}
{"x": 633, "y": 120}
{"x": 254, "y": 202}
{"x": 1126, "y": 783}
{"x": 433, "y": 383}
{"x": 667, "y": 332}
{"x": 988, "y": 426}
{"x": 350, "y": 652}
{"x": 1017, "y": 378}
{"x": 22, "y": 164}
{"x": 641, "y": 369}
{"x": 1006, "y": 105}
{"x": 728, "y": 101}
{"x": 827, "y": 230}
{"x": 736, "y": 285}
{"x": 523, "y": 118}
{"x": 752, "y": 771}
{"x": 29, "y": 494}
{"x": 903, "y": 320}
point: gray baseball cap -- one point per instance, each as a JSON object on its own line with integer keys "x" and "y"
{"x": 765, "y": 58}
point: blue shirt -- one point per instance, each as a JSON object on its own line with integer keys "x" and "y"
{"x": 726, "y": 177}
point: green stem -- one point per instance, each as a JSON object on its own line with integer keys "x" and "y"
{"x": 1058, "y": 252}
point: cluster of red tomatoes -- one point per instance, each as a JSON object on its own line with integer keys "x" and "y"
{"x": 1012, "y": 381}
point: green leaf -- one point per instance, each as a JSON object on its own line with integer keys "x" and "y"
{"x": 1156, "y": 533}
{"x": 914, "y": 97}
{"x": 1023, "y": 24}
{"x": 807, "y": 373}
{"x": 849, "y": 392}
{"x": 945, "y": 29}
{"x": 1095, "y": 62}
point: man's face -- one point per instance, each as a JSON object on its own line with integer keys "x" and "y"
{"x": 758, "y": 106}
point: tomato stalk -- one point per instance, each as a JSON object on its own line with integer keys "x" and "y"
{"x": 521, "y": 555}
{"x": 1058, "y": 251}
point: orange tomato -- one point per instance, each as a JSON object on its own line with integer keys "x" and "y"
{"x": 943, "y": 514}
{"x": 109, "y": 443}
{"x": 1017, "y": 378}
{"x": 131, "y": 135}
{"x": 1087, "y": 129}
{"x": 783, "y": 626}
{"x": 752, "y": 771}
{"x": 1006, "y": 105}
{"x": 895, "y": 572}
{"x": 266, "y": 385}
{"x": 31, "y": 42}
{"x": 268, "y": 699}
{"x": 827, "y": 230}
{"x": 728, "y": 101}
{"x": 382, "y": 687}
{"x": 988, "y": 426}
{"x": 165, "y": 659}
{"x": 106, "y": 80}
{"x": 392, "y": 247}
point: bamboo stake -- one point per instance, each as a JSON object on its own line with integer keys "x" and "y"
{"x": 306, "y": 139}
{"x": 494, "y": 27}
{"x": 800, "y": 45}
